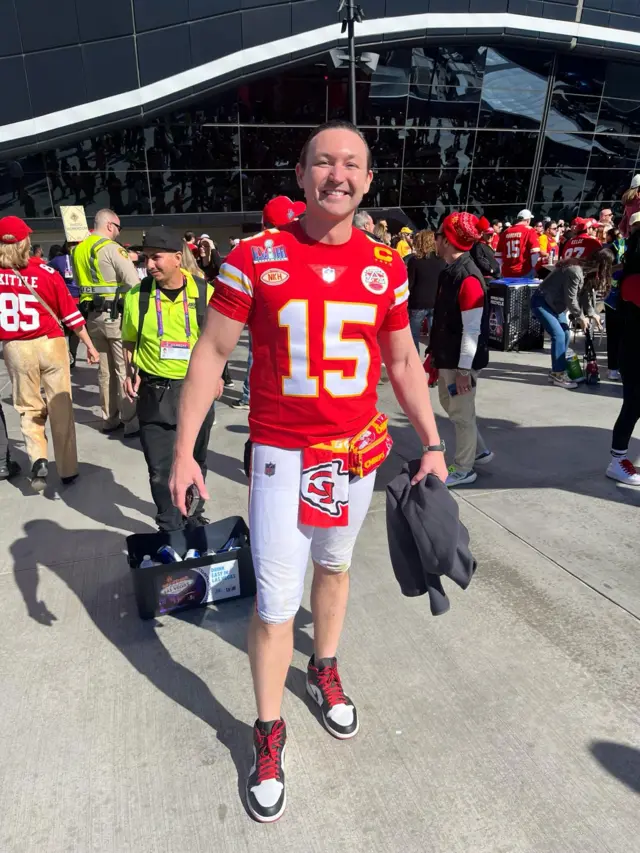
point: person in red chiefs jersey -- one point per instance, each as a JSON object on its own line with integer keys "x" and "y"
{"x": 325, "y": 304}
{"x": 34, "y": 305}
{"x": 584, "y": 243}
{"x": 496, "y": 227}
{"x": 519, "y": 248}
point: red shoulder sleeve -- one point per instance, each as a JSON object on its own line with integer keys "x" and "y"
{"x": 471, "y": 294}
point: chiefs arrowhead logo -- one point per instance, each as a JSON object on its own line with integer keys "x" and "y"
{"x": 325, "y": 487}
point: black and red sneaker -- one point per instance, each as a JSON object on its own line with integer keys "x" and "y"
{"x": 266, "y": 795}
{"x": 324, "y": 686}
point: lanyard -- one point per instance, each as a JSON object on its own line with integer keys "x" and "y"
{"x": 185, "y": 307}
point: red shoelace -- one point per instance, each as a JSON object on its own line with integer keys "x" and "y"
{"x": 331, "y": 686}
{"x": 628, "y": 467}
{"x": 269, "y": 746}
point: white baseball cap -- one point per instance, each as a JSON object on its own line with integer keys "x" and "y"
{"x": 634, "y": 219}
{"x": 635, "y": 182}
{"x": 526, "y": 214}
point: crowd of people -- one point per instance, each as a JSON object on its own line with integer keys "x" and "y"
{"x": 162, "y": 319}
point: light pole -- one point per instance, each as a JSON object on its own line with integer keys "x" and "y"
{"x": 354, "y": 16}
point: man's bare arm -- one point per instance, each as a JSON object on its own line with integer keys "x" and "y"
{"x": 411, "y": 388}
{"x": 210, "y": 354}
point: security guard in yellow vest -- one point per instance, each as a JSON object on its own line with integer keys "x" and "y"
{"x": 163, "y": 316}
{"x": 103, "y": 272}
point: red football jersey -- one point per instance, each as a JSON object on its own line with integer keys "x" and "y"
{"x": 314, "y": 311}
{"x": 515, "y": 248}
{"x": 580, "y": 247}
{"x": 22, "y": 317}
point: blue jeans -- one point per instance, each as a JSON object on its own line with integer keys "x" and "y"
{"x": 245, "y": 386}
{"x": 557, "y": 325}
{"x": 416, "y": 319}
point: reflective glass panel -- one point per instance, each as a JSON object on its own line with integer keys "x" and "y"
{"x": 272, "y": 147}
{"x": 559, "y": 186}
{"x": 433, "y": 148}
{"x": 439, "y": 106}
{"x": 450, "y": 65}
{"x": 605, "y": 184}
{"x": 195, "y": 192}
{"x": 499, "y": 186}
{"x": 577, "y": 75}
{"x": 386, "y": 147}
{"x": 24, "y": 190}
{"x": 284, "y": 99}
{"x": 385, "y": 189}
{"x": 571, "y": 150}
{"x": 259, "y": 187}
{"x": 504, "y": 149}
{"x": 573, "y": 114}
{"x": 618, "y": 116}
{"x": 614, "y": 152}
{"x": 431, "y": 186}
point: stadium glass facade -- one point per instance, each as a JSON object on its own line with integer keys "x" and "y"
{"x": 490, "y": 129}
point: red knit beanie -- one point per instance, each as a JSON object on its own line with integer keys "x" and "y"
{"x": 462, "y": 230}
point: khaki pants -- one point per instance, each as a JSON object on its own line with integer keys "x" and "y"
{"x": 107, "y": 339}
{"x": 36, "y": 364}
{"x": 462, "y": 412}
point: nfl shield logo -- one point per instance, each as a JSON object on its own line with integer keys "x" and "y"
{"x": 270, "y": 469}
{"x": 328, "y": 275}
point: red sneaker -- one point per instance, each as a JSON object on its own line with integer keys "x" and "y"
{"x": 324, "y": 686}
{"x": 266, "y": 794}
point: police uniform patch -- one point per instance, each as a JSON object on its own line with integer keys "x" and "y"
{"x": 124, "y": 253}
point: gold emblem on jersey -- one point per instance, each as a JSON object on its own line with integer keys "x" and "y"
{"x": 383, "y": 254}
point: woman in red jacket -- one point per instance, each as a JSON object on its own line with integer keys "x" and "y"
{"x": 34, "y": 306}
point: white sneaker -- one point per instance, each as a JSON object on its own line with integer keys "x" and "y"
{"x": 460, "y": 478}
{"x": 624, "y": 471}
{"x": 614, "y": 375}
{"x": 562, "y": 380}
{"x": 485, "y": 457}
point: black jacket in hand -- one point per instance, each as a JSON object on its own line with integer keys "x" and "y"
{"x": 426, "y": 537}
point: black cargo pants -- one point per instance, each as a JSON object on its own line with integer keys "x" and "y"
{"x": 157, "y": 411}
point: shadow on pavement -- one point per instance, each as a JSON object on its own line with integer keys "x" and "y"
{"x": 621, "y": 761}
{"x": 572, "y": 458}
{"x": 103, "y": 586}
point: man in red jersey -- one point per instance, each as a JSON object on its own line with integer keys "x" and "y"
{"x": 325, "y": 305}
{"x": 519, "y": 247}
{"x": 584, "y": 243}
{"x": 34, "y": 305}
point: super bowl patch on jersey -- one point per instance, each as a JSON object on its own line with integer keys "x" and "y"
{"x": 274, "y": 276}
{"x": 269, "y": 253}
{"x": 375, "y": 279}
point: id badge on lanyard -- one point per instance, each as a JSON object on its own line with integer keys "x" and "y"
{"x": 174, "y": 350}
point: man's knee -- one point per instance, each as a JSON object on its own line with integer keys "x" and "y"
{"x": 273, "y": 620}
{"x": 332, "y": 566}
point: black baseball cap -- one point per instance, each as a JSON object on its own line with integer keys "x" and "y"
{"x": 162, "y": 239}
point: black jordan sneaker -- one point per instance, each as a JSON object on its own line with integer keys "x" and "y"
{"x": 324, "y": 686}
{"x": 266, "y": 795}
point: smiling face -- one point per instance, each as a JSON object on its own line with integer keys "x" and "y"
{"x": 335, "y": 174}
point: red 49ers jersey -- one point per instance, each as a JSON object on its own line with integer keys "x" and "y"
{"x": 580, "y": 247}
{"x": 515, "y": 247}
{"x": 314, "y": 312}
{"x": 22, "y": 317}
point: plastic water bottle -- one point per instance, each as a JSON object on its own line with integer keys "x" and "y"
{"x": 167, "y": 555}
{"x": 192, "y": 554}
{"x": 147, "y": 562}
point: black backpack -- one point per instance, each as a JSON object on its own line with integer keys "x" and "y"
{"x": 145, "y": 298}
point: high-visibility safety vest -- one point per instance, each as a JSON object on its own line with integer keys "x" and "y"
{"x": 87, "y": 269}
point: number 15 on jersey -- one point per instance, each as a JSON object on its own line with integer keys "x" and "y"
{"x": 294, "y": 317}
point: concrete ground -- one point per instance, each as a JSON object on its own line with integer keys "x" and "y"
{"x": 509, "y": 725}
